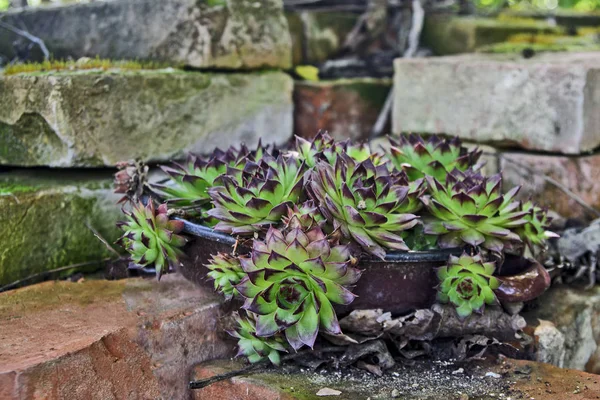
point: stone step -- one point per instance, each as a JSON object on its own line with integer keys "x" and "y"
{"x": 448, "y": 34}
{"x": 579, "y": 174}
{"x": 548, "y": 103}
{"x": 347, "y": 108}
{"x": 128, "y": 339}
{"x": 225, "y": 34}
{"x": 43, "y": 221}
{"x": 95, "y": 118}
{"x": 508, "y": 379}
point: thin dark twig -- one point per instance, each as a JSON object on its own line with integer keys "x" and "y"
{"x": 52, "y": 271}
{"x": 259, "y": 366}
{"x": 104, "y": 241}
{"x": 28, "y": 36}
{"x": 559, "y": 185}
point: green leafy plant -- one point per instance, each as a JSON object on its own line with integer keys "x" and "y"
{"x": 368, "y": 203}
{"x": 434, "y": 157}
{"x": 291, "y": 282}
{"x": 151, "y": 238}
{"x": 226, "y": 272}
{"x": 471, "y": 210}
{"x": 324, "y": 148}
{"x": 535, "y": 231}
{"x": 467, "y": 283}
{"x": 258, "y": 196}
{"x": 254, "y": 347}
{"x": 306, "y": 216}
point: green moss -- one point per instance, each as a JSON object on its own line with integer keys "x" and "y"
{"x": 43, "y": 225}
{"x": 446, "y": 34}
{"x": 544, "y": 43}
{"x": 87, "y": 64}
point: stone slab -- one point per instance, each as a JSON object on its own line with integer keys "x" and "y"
{"x": 575, "y": 313}
{"x": 347, "y": 108}
{"x": 579, "y": 174}
{"x": 43, "y": 221}
{"x": 128, "y": 339}
{"x": 318, "y": 35}
{"x": 548, "y": 103}
{"x": 93, "y": 118}
{"x": 450, "y": 34}
{"x": 420, "y": 380}
{"x": 228, "y": 34}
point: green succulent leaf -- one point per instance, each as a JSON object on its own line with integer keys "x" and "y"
{"x": 434, "y": 156}
{"x": 226, "y": 272}
{"x": 467, "y": 283}
{"x": 151, "y": 238}
{"x": 291, "y": 280}
{"x": 253, "y": 347}
{"x": 469, "y": 209}
{"x": 367, "y": 203}
{"x": 535, "y": 231}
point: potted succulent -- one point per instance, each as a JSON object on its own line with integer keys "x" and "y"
{"x": 302, "y": 235}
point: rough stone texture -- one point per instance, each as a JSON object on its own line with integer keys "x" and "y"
{"x": 547, "y": 103}
{"x": 134, "y": 339}
{"x": 576, "y": 314}
{"x": 450, "y": 34}
{"x": 347, "y": 109}
{"x": 100, "y": 118}
{"x": 578, "y": 174}
{"x": 232, "y": 34}
{"x": 43, "y": 221}
{"x": 318, "y": 35}
{"x": 421, "y": 380}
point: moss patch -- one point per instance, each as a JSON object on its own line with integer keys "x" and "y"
{"x": 43, "y": 223}
{"x": 81, "y": 65}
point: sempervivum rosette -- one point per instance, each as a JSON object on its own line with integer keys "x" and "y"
{"x": 535, "y": 231}
{"x": 253, "y": 347}
{"x": 226, "y": 272}
{"x": 306, "y": 216}
{"x": 368, "y": 203}
{"x": 324, "y": 148}
{"x": 292, "y": 281}
{"x": 251, "y": 199}
{"x": 434, "y": 156}
{"x": 151, "y": 238}
{"x": 471, "y": 210}
{"x": 467, "y": 282}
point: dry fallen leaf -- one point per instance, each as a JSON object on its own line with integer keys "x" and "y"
{"x": 328, "y": 392}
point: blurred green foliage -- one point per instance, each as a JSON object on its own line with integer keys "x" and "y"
{"x": 540, "y": 5}
{"x": 4, "y": 4}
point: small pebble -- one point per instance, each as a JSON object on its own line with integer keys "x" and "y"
{"x": 493, "y": 375}
{"x": 458, "y": 371}
{"x": 395, "y": 393}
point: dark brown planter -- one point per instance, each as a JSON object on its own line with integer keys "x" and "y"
{"x": 400, "y": 283}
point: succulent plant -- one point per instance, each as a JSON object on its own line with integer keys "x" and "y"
{"x": 292, "y": 281}
{"x": 251, "y": 199}
{"x": 256, "y": 348}
{"x": 324, "y": 148}
{"x": 151, "y": 237}
{"x": 368, "y": 203}
{"x": 535, "y": 231}
{"x": 306, "y": 216}
{"x": 131, "y": 180}
{"x": 470, "y": 209}
{"x": 467, "y": 282}
{"x": 434, "y": 157}
{"x": 226, "y": 272}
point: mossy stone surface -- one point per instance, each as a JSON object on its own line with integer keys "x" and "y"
{"x": 97, "y": 118}
{"x": 43, "y": 221}
{"x": 449, "y": 34}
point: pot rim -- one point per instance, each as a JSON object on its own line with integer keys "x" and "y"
{"x": 205, "y": 232}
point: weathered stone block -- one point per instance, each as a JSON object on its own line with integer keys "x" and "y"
{"x": 578, "y": 174}
{"x": 99, "y": 118}
{"x": 576, "y": 314}
{"x": 128, "y": 339}
{"x": 512, "y": 379}
{"x": 232, "y": 34}
{"x": 547, "y": 103}
{"x": 318, "y": 35}
{"x": 346, "y": 108}
{"x": 450, "y": 34}
{"x": 43, "y": 221}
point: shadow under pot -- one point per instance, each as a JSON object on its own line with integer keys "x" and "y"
{"x": 400, "y": 283}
